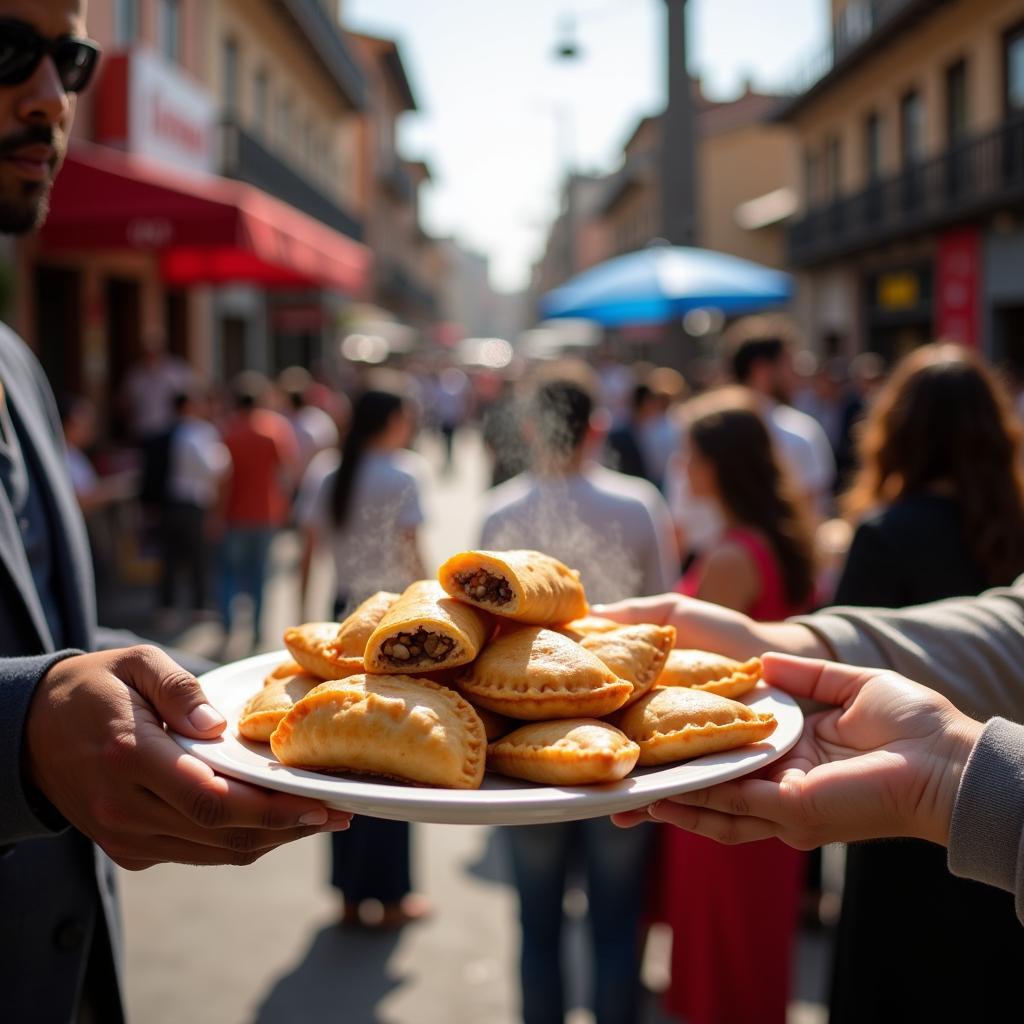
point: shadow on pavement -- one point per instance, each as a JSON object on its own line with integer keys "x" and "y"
{"x": 344, "y": 975}
{"x": 493, "y": 864}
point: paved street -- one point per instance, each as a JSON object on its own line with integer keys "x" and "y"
{"x": 230, "y": 946}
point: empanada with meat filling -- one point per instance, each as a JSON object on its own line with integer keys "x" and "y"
{"x": 527, "y": 586}
{"x": 425, "y": 630}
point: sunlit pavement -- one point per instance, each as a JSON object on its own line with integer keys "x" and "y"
{"x": 261, "y": 944}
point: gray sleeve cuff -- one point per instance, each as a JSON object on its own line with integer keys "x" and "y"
{"x": 24, "y": 813}
{"x": 986, "y": 834}
{"x": 848, "y": 643}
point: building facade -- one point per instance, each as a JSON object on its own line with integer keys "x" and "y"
{"x": 911, "y": 224}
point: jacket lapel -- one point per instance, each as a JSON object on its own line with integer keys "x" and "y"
{"x": 13, "y": 559}
{"x": 71, "y": 557}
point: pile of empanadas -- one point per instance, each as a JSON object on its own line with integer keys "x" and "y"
{"x": 497, "y": 664}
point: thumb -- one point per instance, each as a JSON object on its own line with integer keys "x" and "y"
{"x": 174, "y": 693}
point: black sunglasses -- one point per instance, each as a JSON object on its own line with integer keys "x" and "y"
{"x": 22, "y": 49}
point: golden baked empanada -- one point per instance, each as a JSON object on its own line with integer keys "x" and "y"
{"x": 537, "y": 674}
{"x": 390, "y": 725}
{"x": 527, "y": 586}
{"x": 268, "y": 706}
{"x": 713, "y": 673}
{"x": 285, "y": 670}
{"x": 570, "y": 752}
{"x": 579, "y": 628}
{"x": 634, "y": 653}
{"x": 495, "y": 725}
{"x": 355, "y": 630}
{"x": 425, "y": 630}
{"x": 314, "y": 646}
{"x": 677, "y": 723}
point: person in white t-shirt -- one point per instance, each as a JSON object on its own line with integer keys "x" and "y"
{"x": 761, "y": 352}
{"x": 315, "y": 429}
{"x": 364, "y": 506}
{"x": 617, "y": 531}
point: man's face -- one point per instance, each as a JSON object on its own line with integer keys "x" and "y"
{"x": 783, "y": 378}
{"x": 35, "y": 118}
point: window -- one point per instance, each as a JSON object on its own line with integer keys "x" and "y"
{"x": 956, "y": 102}
{"x": 911, "y": 128}
{"x": 284, "y": 127}
{"x": 261, "y": 101}
{"x": 170, "y": 29}
{"x": 833, "y": 168}
{"x": 873, "y": 147}
{"x": 1013, "y": 59}
{"x": 229, "y": 71}
{"x": 126, "y": 22}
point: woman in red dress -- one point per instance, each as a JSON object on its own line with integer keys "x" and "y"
{"x": 734, "y": 909}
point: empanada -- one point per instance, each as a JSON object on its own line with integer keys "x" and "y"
{"x": 285, "y": 670}
{"x": 395, "y": 726}
{"x": 314, "y": 646}
{"x": 634, "y": 653}
{"x": 356, "y": 629}
{"x": 579, "y": 628}
{"x": 537, "y": 674}
{"x": 495, "y": 725}
{"x": 523, "y": 585}
{"x": 425, "y": 630}
{"x": 712, "y": 673}
{"x": 677, "y": 723}
{"x": 570, "y": 752}
{"x": 268, "y": 706}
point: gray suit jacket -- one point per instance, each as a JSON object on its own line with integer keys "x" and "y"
{"x": 57, "y": 898}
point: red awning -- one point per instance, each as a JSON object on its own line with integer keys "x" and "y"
{"x": 207, "y": 230}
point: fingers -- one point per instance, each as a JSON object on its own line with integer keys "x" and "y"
{"x": 823, "y": 681}
{"x": 747, "y": 798}
{"x": 204, "y": 799}
{"x": 629, "y": 819}
{"x": 657, "y": 610}
{"x": 723, "y": 828}
{"x": 174, "y": 693}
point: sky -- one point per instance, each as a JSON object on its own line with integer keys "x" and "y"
{"x": 500, "y": 119}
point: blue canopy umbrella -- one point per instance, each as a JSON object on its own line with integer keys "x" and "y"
{"x": 662, "y": 283}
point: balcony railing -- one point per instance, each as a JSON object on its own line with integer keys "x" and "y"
{"x": 245, "y": 158}
{"x": 967, "y": 180}
{"x": 323, "y": 35}
{"x": 862, "y": 25}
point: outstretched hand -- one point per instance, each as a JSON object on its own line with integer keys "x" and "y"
{"x": 885, "y": 760}
{"x": 97, "y": 750}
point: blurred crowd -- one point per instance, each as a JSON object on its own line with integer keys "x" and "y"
{"x": 774, "y": 485}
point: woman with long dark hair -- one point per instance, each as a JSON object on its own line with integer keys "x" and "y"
{"x": 938, "y": 505}
{"x": 366, "y": 508}
{"x": 733, "y": 910}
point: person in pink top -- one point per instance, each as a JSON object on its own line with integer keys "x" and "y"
{"x": 734, "y": 910}
{"x": 256, "y": 499}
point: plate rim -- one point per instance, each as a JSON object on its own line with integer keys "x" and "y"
{"x": 523, "y": 803}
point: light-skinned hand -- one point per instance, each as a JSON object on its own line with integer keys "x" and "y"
{"x": 884, "y": 760}
{"x": 710, "y": 627}
{"x": 97, "y": 750}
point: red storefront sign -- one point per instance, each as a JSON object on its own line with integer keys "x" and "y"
{"x": 958, "y": 280}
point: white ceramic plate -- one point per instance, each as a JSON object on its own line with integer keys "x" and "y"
{"x": 500, "y": 801}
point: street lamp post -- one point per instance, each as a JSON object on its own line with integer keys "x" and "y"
{"x": 679, "y": 139}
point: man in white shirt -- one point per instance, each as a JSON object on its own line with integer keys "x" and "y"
{"x": 197, "y": 463}
{"x": 760, "y": 349}
{"x": 616, "y": 530}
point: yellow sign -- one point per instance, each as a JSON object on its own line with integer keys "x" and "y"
{"x": 898, "y": 290}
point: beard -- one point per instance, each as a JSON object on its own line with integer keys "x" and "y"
{"x": 22, "y": 214}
